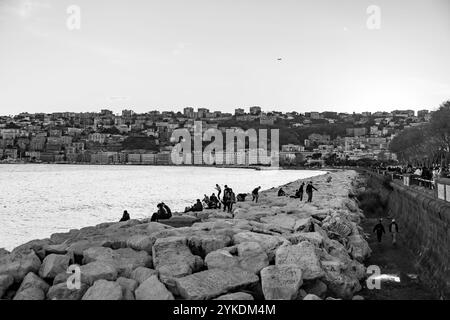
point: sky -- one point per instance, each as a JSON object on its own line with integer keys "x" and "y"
{"x": 169, "y": 54}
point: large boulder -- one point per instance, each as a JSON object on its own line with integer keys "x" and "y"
{"x": 32, "y": 288}
{"x": 60, "y": 291}
{"x": 247, "y": 255}
{"x": 202, "y": 244}
{"x": 252, "y": 257}
{"x": 104, "y": 290}
{"x": 153, "y": 289}
{"x": 268, "y": 242}
{"x": 141, "y": 242}
{"x": 128, "y": 287}
{"x": 303, "y": 255}
{"x": 53, "y": 264}
{"x": 358, "y": 247}
{"x": 313, "y": 237}
{"x": 213, "y": 283}
{"x": 141, "y": 274}
{"x": 97, "y": 270}
{"x": 5, "y": 282}
{"x": 19, "y": 264}
{"x": 173, "y": 258}
{"x": 125, "y": 260}
{"x": 281, "y": 282}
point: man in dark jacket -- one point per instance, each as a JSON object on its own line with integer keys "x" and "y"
{"x": 255, "y": 194}
{"x": 309, "y": 191}
{"x": 379, "y": 229}
{"x": 125, "y": 216}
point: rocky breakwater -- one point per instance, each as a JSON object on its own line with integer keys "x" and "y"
{"x": 278, "y": 248}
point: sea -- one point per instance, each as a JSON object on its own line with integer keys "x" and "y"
{"x": 37, "y": 200}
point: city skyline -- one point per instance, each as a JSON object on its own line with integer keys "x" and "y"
{"x": 224, "y": 55}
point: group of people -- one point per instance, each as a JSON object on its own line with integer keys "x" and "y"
{"x": 163, "y": 212}
{"x": 299, "y": 193}
{"x": 393, "y": 229}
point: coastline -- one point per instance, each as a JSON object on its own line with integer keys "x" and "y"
{"x": 325, "y": 231}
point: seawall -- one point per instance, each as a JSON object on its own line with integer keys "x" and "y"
{"x": 278, "y": 248}
{"x": 426, "y": 221}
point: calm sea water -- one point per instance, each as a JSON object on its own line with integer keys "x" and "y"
{"x": 38, "y": 200}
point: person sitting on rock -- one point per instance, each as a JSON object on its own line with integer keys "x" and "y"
{"x": 214, "y": 201}
{"x": 163, "y": 213}
{"x": 255, "y": 194}
{"x": 281, "y": 192}
{"x": 196, "y": 207}
{"x": 241, "y": 197}
{"x": 125, "y": 216}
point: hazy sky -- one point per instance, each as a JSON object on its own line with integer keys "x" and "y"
{"x": 223, "y": 54}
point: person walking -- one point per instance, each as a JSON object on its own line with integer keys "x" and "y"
{"x": 255, "y": 194}
{"x": 393, "y": 229}
{"x": 379, "y": 230}
{"x": 309, "y": 191}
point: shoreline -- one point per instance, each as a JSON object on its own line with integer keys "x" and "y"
{"x": 272, "y": 225}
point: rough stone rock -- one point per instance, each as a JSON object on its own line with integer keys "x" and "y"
{"x": 153, "y": 289}
{"x": 303, "y": 224}
{"x": 236, "y": 296}
{"x": 61, "y": 278}
{"x": 337, "y": 228}
{"x": 316, "y": 287}
{"x": 104, "y": 290}
{"x": 125, "y": 259}
{"x": 5, "y": 282}
{"x": 252, "y": 257}
{"x": 32, "y": 288}
{"x": 357, "y": 297}
{"x": 202, "y": 244}
{"x": 153, "y": 227}
{"x": 141, "y": 274}
{"x": 313, "y": 237}
{"x": 128, "y": 287}
{"x": 304, "y": 255}
{"x": 358, "y": 247}
{"x": 173, "y": 258}
{"x": 53, "y": 264}
{"x": 281, "y": 282}
{"x": 213, "y": 283}
{"x": 311, "y": 296}
{"x": 34, "y": 245}
{"x": 281, "y": 220}
{"x": 267, "y": 242}
{"x": 55, "y": 248}
{"x": 60, "y": 291}
{"x": 221, "y": 259}
{"x": 30, "y": 294}
{"x": 3, "y": 252}
{"x": 97, "y": 270}
{"x": 19, "y": 264}
{"x": 341, "y": 285}
{"x": 141, "y": 242}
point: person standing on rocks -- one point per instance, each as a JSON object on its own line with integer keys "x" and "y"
{"x": 393, "y": 229}
{"x": 255, "y": 194}
{"x": 379, "y": 229}
{"x": 300, "y": 191}
{"x": 219, "y": 191}
{"x": 309, "y": 191}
